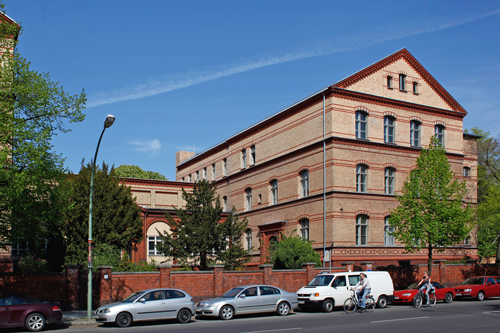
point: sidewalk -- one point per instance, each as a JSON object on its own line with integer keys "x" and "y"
{"x": 76, "y": 318}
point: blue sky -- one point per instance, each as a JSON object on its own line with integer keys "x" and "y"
{"x": 184, "y": 75}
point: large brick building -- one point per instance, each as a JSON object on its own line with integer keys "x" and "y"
{"x": 329, "y": 166}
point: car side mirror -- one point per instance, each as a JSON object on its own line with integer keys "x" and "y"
{"x": 142, "y": 300}
{"x": 242, "y": 296}
{"x": 489, "y": 284}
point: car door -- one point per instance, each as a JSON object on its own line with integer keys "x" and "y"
{"x": 248, "y": 301}
{"x": 491, "y": 287}
{"x": 5, "y": 309}
{"x": 439, "y": 291}
{"x": 176, "y": 300}
{"x": 497, "y": 278}
{"x": 269, "y": 298}
{"x": 340, "y": 289}
{"x": 152, "y": 307}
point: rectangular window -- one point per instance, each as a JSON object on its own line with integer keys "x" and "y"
{"x": 205, "y": 173}
{"x": 439, "y": 133}
{"x": 466, "y": 172}
{"x": 252, "y": 156}
{"x": 243, "y": 158}
{"x": 224, "y": 167}
{"x": 415, "y": 87}
{"x": 467, "y": 240}
{"x": 388, "y": 237}
{"x": 389, "y": 181}
{"x": 361, "y": 125}
{"x": 249, "y": 240}
{"x": 415, "y": 133}
{"x": 360, "y": 178}
{"x": 213, "y": 171}
{"x": 361, "y": 229}
{"x": 190, "y": 178}
{"x": 304, "y": 183}
{"x": 389, "y": 129}
{"x": 304, "y": 229}
{"x": 224, "y": 203}
{"x": 248, "y": 195}
{"x": 197, "y": 177}
{"x": 389, "y": 81}
{"x": 153, "y": 241}
{"x": 182, "y": 179}
{"x": 274, "y": 192}
{"x": 402, "y": 83}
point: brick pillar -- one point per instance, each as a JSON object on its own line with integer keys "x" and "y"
{"x": 349, "y": 265}
{"x": 267, "y": 273}
{"x": 164, "y": 269}
{"x": 72, "y": 272}
{"x": 367, "y": 266}
{"x": 310, "y": 272}
{"x": 218, "y": 280}
{"x": 442, "y": 269}
{"x": 105, "y": 285}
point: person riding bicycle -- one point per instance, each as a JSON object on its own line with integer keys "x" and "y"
{"x": 363, "y": 288}
{"x": 426, "y": 284}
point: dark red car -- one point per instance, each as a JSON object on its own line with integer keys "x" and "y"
{"x": 442, "y": 293}
{"x": 479, "y": 287}
{"x": 28, "y": 312}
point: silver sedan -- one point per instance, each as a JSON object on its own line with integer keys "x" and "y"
{"x": 249, "y": 299}
{"x": 148, "y": 304}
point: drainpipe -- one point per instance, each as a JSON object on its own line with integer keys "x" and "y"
{"x": 324, "y": 182}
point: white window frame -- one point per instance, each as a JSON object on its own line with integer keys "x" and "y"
{"x": 224, "y": 167}
{"x": 415, "y": 133}
{"x": 361, "y": 230}
{"x": 224, "y": 203}
{"x": 252, "y": 155}
{"x": 361, "y": 120}
{"x": 389, "y": 180}
{"x": 304, "y": 229}
{"x": 402, "y": 82}
{"x": 274, "y": 191}
{"x": 205, "y": 174}
{"x": 248, "y": 236}
{"x": 155, "y": 240}
{"x": 388, "y": 238}
{"x": 361, "y": 178}
{"x": 243, "y": 158}
{"x": 466, "y": 172}
{"x": 389, "y": 126}
{"x": 248, "y": 197}
{"x": 304, "y": 183}
{"x": 439, "y": 132}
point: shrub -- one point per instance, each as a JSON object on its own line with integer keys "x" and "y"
{"x": 31, "y": 264}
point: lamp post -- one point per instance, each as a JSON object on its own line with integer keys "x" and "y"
{"x": 110, "y": 119}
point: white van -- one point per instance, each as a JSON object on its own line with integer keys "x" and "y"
{"x": 327, "y": 290}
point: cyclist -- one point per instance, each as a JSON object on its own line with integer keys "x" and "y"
{"x": 426, "y": 284}
{"x": 363, "y": 288}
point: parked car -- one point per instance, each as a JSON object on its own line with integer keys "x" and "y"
{"x": 479, "y": 287}
{"x": 332, "y": 289}
{"x": 443, "y": 293}
{"x": 151, "y": 304}
{"x": 248, "y": 299}
{"x": 26, "y": 311}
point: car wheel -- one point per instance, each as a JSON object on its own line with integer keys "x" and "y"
{"x": 124, "y": 319}
{"x": 448, "y": 298}
{"x": 34, "y": 322}
{"x": 283, "y": 309}
{"x": 184, "y": 316}
{"x": 480, "y": 296}
{"x": 226, "y": 313}
{"x": 327, "y": 305}
{"x": 382, "y": 302}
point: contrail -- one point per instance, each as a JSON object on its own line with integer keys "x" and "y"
{"x": 156, "y": 88}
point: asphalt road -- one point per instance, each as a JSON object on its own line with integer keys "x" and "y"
{"x": 459, "y": 316}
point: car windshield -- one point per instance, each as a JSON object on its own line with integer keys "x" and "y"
{"x": 412, "y": 286}
{"x": 133, "y": 297}
{"x": 474, "y": 280}
{"x": 232, "y": 293}
{"x": 321, "y": 280}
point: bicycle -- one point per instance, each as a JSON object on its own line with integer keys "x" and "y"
{"x": 419, "y": 298}
{"x": 352, "y": 303}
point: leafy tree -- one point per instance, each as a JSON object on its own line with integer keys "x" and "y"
{"x": 32, "y": 110}
{"x": 488, "y": 224}
{"x": 431, "y": 213}
{"x": 290, "y": 252}
{"x": 133, "y": 171}
{"x": 116, "y": 218}
{"x": 197, "y": 234}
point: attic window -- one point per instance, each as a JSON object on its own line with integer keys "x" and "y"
{"x": 402, "y": 79}
{"x": 389, "y": 82}
{"x": 415, "y": 88}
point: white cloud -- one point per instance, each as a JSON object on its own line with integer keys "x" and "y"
{"x": 159, "y": 87}
{"x": 151, "y": 146}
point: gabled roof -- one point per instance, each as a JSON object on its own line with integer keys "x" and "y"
{"x": 402, "y": 54}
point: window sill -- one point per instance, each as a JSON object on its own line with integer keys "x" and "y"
{"x": 416, "y": 94}
{"x": 391, "y": 143}
{"x": 365, "y": 140}
{"x": 403, "y": 91}
{"x": 390, "y": 88}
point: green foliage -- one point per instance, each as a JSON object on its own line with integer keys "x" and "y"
{"x": 106, "y": 255}
{"x": 488, "y": 223}
{"x": 431, "y": 213}
{"x": 290, "y": 252}
{"x": 198, "y": 236}
{"x": 32, "y": 110}
{"x": 116, "y": 218}
{"x": 129, "y": 266}
{"x": 133, "y": 171}
{"x": 31, "y": 264}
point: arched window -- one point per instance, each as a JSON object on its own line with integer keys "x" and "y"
{"x": 361, "y": 229}
{"x": 274, "y": 192}
{"x": 304, "y": 229}
{"x": 389, "y": 180}
{"x": 361, "y": 178}
{"x": 243, "y": 158}
{"x": 388, "y": 238}
{"x": 252, "y": 154}
{"x": 304, "y": 183}
{"x": 248, "y": 197}
{"x": 439, "y": 133}
{"x": 389, "y": 129}
{"x": 361, "y": 125}
{"x": 414, "y": 133}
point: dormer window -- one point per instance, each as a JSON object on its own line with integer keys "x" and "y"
{"x": 389, "y": 82}
{"x": 415, "y": 88}
{"x": 402, "y": 79}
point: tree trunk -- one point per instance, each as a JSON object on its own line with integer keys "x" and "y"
{"x": 429, "y": 260}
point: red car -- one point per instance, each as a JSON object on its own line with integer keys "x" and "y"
{"x": 479, "y": 287}
{"x": 28, "y": 312}
{"x": 442, "y": 293}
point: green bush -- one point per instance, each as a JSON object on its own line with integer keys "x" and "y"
{"x": 31, "y": 264}
{"x": 290, "y": 252}
{"x": 128, "y": 266}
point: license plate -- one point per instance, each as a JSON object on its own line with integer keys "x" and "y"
{"x": 302, "y": 302}
{"x": 396, "y": 297}
{"x": 458, "y": 294}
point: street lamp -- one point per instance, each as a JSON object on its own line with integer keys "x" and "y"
{"x": 110, "y": 119}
